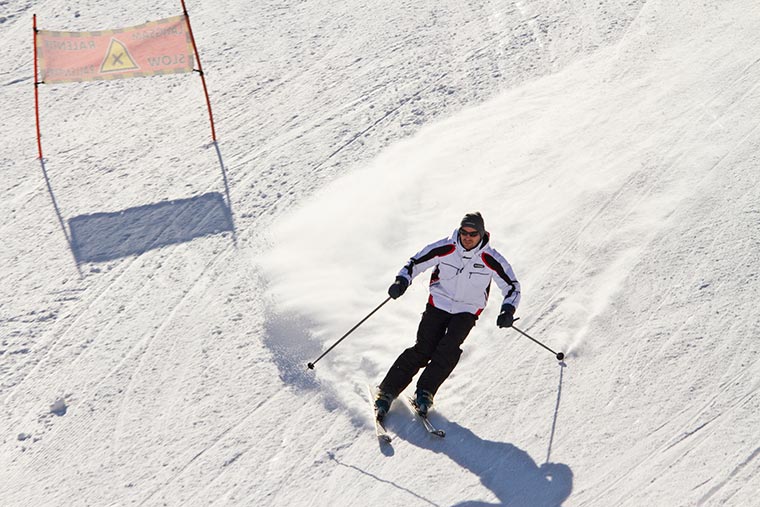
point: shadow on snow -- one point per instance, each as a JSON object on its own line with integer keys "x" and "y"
{"x": 509, "y": 472}
{"x": 106, "y": 236}
{"x": 103, "y": 237}
{"x": 288, "y": 339}
{"x": 505, "y": 469}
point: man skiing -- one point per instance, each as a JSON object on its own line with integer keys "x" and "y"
{"x": 464, "y": 265}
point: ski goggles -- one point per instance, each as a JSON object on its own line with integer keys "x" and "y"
{"x": 473, "y": 234}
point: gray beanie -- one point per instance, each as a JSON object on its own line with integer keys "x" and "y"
{"x": 474, "y": 220}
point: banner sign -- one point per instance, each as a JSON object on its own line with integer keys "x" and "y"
{"x": 155, "y": 48}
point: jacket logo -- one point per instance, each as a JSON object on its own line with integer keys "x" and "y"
{"x": 479, "y": 266}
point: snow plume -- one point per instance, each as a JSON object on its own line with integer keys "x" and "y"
{"x": 537, "y": 174}
{"x": 333, "y": 258}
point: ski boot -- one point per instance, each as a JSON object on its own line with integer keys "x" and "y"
{"x": 383, "y": 402}
{"x": 423, "y": 401}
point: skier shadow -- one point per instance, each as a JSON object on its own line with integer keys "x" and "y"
{"x": 508, "y": 471}
{"x": 103, "y": 237}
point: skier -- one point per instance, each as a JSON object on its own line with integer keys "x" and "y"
{"x": 464, "y": 265}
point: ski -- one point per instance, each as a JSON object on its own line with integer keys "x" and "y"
{"x": 380, "y": 431}
{"x": 425, "y": 421}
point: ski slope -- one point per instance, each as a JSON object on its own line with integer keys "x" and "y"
{"x": 159, "y": 357}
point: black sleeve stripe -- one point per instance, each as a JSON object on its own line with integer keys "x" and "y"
{"x": 440, "y": 251}
{"x": 499, "y": 269}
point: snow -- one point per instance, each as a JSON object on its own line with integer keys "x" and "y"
{"x": 611, "y": 147}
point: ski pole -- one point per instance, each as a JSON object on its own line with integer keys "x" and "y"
{"x": 559, "y": 355}
{"x": 311, "y": 365}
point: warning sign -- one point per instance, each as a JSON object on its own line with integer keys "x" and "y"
{"x": 159, "y": 47}
{"x": 118, "y": 58}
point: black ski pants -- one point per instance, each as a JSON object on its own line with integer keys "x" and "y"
{"x": 439, "y": 337}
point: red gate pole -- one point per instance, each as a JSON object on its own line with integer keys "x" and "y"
{"x": 200, "y": 70}
{"x": 36, "y": 88}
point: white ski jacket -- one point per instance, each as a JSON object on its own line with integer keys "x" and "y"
{"x": 461, "y": 280}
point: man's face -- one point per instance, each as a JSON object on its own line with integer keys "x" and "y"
{"x": 469, "y": 237}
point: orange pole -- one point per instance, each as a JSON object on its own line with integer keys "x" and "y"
{"x": 36, "y": 88}
{"x": 200, "y": 70}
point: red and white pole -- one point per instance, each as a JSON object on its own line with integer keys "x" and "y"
{"x": 200, "y": 70}
{"x": 36, "y": 88}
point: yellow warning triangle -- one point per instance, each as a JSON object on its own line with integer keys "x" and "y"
{"x": 118, "y": 58}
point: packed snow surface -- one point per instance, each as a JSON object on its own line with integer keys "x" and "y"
{"x": 161, "y": 294}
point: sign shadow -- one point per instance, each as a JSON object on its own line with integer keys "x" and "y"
{"x": 101, "y": 237}
{"x": 58, "y": 213}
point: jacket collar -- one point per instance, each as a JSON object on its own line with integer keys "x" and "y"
{"x": 480, "y": 246}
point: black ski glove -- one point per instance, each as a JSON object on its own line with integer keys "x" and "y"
{"x": 507, "y": 316}
{"x": 398, "y": 288}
